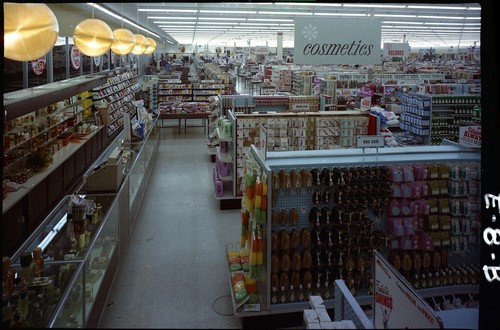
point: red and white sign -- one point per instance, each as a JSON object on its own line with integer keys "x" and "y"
{"x": 366, "y": 103}
{"x": 261, "y": 50}
{"x": 97, "y": 60}
{"x": 396, "y": 304}
{"x": 400, "y": 49}
{"x": 470, "y": 136}
{"x": 39, "y": 65}
{"x": 74, "y": 56}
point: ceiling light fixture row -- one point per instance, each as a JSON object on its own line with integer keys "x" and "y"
{"x": 31, "y": 30}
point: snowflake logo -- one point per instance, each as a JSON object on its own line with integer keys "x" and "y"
{"x": 310, "y": 32}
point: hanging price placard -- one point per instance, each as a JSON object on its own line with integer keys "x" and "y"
{"x": 39, "y": 65}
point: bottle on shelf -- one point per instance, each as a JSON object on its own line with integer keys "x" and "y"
{"x": 274, "y": 295}
{"x": 282, "y": 297}
{"x": 292, "y": 295}
{"x": 300, "y": 294}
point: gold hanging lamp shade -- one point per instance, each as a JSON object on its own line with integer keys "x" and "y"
{"x": 30, "y": 30}
{"x": 141, "y": 44}
{"x": 93, "y": 37}
{"x": 123, "y": 41}
{"x": 151, "y": 46}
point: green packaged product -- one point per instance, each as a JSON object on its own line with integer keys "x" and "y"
{"x": 240, "y": 295}
{"x": 253, "y": 298}
{"x": 235, "y": 267}
{"x": 246, "y": 267}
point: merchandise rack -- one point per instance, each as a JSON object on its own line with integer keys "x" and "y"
{"x": 310, "y": 159}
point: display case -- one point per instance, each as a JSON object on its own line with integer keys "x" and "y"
{"x": 81, "y": 242}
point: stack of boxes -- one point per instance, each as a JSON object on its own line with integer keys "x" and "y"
{"x": 318, "y": 318}
{"x": 335, "y": 132}
{"x": 281, "y": 77}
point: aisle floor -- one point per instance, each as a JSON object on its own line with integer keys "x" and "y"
{"x": 173, "y": 270}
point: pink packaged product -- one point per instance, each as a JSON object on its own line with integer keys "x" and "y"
{"x": 405, "y": 207}
{"x": 426, "y": 243}
{"x": 223, "y": 146}
{"x": 394, "y": 208}
{"x": 414, "y": 207}
{"x": 395, "y": 226}
{"x": 396, "y": 189}
{"x": 408, "y": 175}
{"x": 424, "y": 188}
{"x": 224, "y": 169}
{"x": 416, "y": 190}
{"x": 409, "y": 229}
{"x": 405, "y": 243}
{"x": 424, "y": 207}
{"x": 395, "y": 173}
{"x": 420, "y": 172}
{"x": 415, "y": 242}
{"x": 405, "y": 190}
{"x": 394, "y": 243}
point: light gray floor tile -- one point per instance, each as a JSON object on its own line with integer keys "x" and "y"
{"x": 172, "y": 273}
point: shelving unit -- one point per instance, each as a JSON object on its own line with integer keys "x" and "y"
{"x": 114, "y": 98}
{"x": 282, "y": 197}
{"x": 206, "y": 88}
{"x": 172, "y": 90}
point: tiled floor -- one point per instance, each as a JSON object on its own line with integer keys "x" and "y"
{"x": 173, "y": 273}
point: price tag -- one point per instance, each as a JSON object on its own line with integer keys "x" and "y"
{"x": 301, "y": 107}
{"x": 370, "y": 141}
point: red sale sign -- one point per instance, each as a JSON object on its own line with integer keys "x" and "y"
{"x": 39, "y": 65}
{"x": 74, "y": 56}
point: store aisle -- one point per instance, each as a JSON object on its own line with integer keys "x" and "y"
{"x": 173, "y": 271}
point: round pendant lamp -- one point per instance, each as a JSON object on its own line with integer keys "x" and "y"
{"x": 151, "y": 46}
{"x": 30, "y": 30}
{"x": 93, "y": 37}
{"x": 123, "y": 41}
{"x": 141, "y": 44}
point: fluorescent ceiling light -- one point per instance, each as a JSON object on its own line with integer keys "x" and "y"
{"x": 459, "y": 24}
{"x": 161, "y": 10}
{"x": 399, "y": 22}
{"x": 373, "y": 6}
{"x": 229, "y": 11}
{"x": 270, "y": 19}
{"x": 260, "y": 24}
{"x": 394, "y": 15}
{"x": 217, "y": 23}
{"x": 339, "y": 14}
{"x": 220, "y": 18}
{"x": 170, "y": 17}
{"x": 283, "y": 13}
{"x": 308, "y": 4}
{"x": 106, "y": 11}
{"x": 165, "y": 22}
{"x": 441, "y": 17}
{"x": 436, "y": 7}
{"x": 473, "y": 18}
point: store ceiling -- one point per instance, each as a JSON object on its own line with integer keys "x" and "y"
{"x": 422, "y": 25}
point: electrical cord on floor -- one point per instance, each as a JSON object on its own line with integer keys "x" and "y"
{"x": 213, "y": 306}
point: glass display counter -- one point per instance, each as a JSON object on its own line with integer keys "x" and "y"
{"x": 79, "y": 243}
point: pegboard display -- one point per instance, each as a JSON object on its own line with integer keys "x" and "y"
{"x": 303, "y": 193}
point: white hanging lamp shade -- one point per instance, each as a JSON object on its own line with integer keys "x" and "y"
{"x": 141, "y": 44}
{"x": 123, "y": 41}
{"x": 93, "y": 37}
{"x": 30, "y": 30}
{"x": 151, "y": 46}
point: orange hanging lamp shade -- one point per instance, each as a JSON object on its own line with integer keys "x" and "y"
{"x": 151, "y": 46}
{"x": 93, "y": 37}
{"x": 123, "y": 41}
{"x": 141, "y": 44}
{"x": 30, "y": 30}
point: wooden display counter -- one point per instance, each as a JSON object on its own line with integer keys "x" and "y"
{"x": 193, "y": 115}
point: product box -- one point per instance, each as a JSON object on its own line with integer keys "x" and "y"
{"x": 323, "y": 315}
{"x": 310, "y": 317}
{"x": 316, "y": 302}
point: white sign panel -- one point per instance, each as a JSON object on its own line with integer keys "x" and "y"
{"x": 370, "y": 141}
{"x": 337, "y": 41}
{"x": 470, "y": 136}
{"x": 396, "y": 304}
{"x": 261, "y": 50}
{"x": 400, "y": 49}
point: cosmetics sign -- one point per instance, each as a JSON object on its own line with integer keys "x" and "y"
{"x": 337, "y": 41}
{"x": 396, "y": 304}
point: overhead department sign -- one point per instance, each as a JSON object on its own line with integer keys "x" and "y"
{"x": 337, "y": 41}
